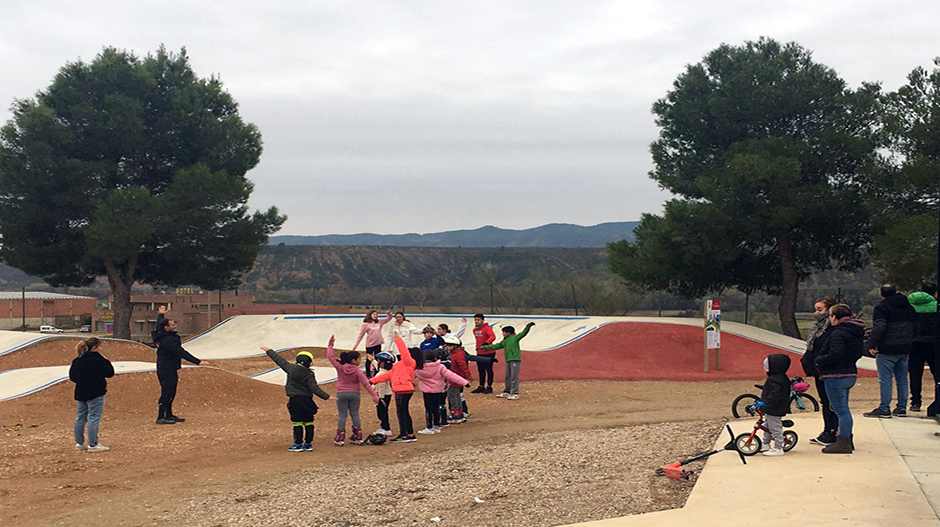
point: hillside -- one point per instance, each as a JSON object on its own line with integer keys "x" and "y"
{"x": 551, "y": 235}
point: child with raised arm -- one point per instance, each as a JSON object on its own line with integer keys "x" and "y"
{"x": 513, "y": 355}
{"x": 372, "y": 330}
{"x": 402, "y": 377}
{"x": 348, "y": 379}
{"x": 300, "y": 387}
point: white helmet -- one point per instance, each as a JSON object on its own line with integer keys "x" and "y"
{"x": 453, "y": 340}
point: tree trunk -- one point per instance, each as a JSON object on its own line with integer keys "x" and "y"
{"x": 121, "y": 281}
{"x": 791, "y": 285}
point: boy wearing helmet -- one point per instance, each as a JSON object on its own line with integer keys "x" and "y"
{"x": 301, "y": 386}
{"x": 458, "y": 365}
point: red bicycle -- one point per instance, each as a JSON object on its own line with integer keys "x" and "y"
{"x": 750, "y": 444}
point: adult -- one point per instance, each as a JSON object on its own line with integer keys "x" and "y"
{"x": 372, "y": 330}
{"x": 924, "y": 345}
{"x": 891, "y": 339}
{"x": 170, "y": 353}
{"x": 405, "y": 330}
{"x": 815, "y": 341}
{"x": 89, "y": 371}
{"x": 484, "y": 336}
{"x": 444, "y": 330}
{"x": 836, "y": 363}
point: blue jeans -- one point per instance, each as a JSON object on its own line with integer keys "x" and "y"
{"x": 90, "y": 412}
{"x": 837, "y": 388}
{"x": 892, "y": 366}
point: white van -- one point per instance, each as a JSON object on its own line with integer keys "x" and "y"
{"x": 50, "y": 329}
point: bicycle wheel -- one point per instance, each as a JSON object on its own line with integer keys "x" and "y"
{"x": 743, "y": 405}
{"x": 810, "y": 404}
{"x": 790, "y": 439}
{"x": 747, "y": 445}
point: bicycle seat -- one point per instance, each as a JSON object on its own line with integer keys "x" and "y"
{"x": 787, "y": 423}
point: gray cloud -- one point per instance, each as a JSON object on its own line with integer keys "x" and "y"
{"x": 420, "y": 116}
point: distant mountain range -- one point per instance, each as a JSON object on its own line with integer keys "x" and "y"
{"x": 551, "y": 235}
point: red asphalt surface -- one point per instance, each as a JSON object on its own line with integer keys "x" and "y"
{"x": 644, "y": 351}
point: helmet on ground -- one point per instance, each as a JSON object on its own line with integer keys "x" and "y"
{"x": 385, "y": 356}
{"x": 377, "y": 439}
{"x": 304, "y": 357}
{"x": 452, "y": 339}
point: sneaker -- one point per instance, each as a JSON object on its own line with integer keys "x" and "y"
{"x": 98, "y": 448}
{"x": 444, "y": 424}
{"x": 899, "y": 412}
{"x": 823, "y": 439}
{"x": 296, "y": 447}
{"x": 176, "y": 418}
{"x": 503, "y": 395}
{"x": 479, "y": 389}
{"x": 764, "y": 447}
{"x": 308, "y": 447}
{"x": 80, "y": 447}
{"x": 436, "y": 430}
{"x": 399, "y": 439}
{"x": 513, "y": 397}
{"x": 489, "y": 389}
{"x": 384, "y": 432}
{"x": 878, "y": 412}
{"x": 426, "y": 431}
{"x": 466, "y": 416}
{"x": 915, "y": 407}
{"x": 166, "y": 422}
{"x": 774, "y": 452}
{"x": 410, "y": 439}
{"x": 455, "y": 419}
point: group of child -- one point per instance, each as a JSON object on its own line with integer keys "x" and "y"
{"x": 439, "y": 363}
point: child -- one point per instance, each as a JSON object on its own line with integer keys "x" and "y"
{"x": 402, "y": 377}
{"x": 431, "y": 378}
{"x": 444, "y": 330}
{"x": 510, "y": 347}
{"x": 776, "y": 398}
{"x": 372, "y": 330}
{"x": 89, "y": 372}
{"x": 484, "y": 335}
{"x": 405, "y": 330}
{"x": 384, "y": 362}
{"x": 348, "y": 379}
{"x": 458, "y": 364}
{"x": 300, "y": 387}
{"x": 431, "y": 340}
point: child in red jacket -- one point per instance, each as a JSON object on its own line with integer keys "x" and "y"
{"x": 402, "y": 377}
{"x": 458, "y": 365}
{"x": 484, "y": 336}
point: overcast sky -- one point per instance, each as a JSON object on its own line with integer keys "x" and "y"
{"x": 403, "y": 116}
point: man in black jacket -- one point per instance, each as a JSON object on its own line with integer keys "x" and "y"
{"x": 890, "y": 342}
{"x": 170, "y": 353}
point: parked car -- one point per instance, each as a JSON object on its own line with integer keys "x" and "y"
{"x": 86, "y": 328}
{"x": 50, "y": 329}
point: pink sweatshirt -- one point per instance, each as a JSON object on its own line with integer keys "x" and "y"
{"x": 431, "y": 377}
{"x": 373, "y": 332}
{"x": 348, "y": 376}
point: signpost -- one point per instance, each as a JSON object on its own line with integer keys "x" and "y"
{"x": 713, "y": 332}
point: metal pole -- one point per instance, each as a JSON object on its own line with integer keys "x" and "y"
{"x": 705, "y": 336}
{"x": 220, "y": 306}
{"x": 24, "y": 308}
{"x": 492, "y": 304}
{"x": 574, "y": 298}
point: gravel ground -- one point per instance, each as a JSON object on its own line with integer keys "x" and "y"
{"x": 533, "y": 478}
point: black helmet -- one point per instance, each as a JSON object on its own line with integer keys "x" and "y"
{"x": 377, "y": 439}
{"x": 385, "y": 356}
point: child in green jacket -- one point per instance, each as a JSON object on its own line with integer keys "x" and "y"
{"x": 301, "y": 386}
{"x": 513, "y": 355}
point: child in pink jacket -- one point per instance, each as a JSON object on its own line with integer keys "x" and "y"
{"x": 348, "y": 379}
{"x": 431, "y": 379}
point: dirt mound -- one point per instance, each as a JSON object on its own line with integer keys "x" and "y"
{"x": 61, "y": 351}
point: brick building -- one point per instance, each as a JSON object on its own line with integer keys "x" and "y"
{"x": 193, "y": 312}
{"x": 53, "y": 309}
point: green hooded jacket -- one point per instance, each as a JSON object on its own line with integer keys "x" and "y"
{"x": 510, "y": 345}
{"x": 922, "y": 302}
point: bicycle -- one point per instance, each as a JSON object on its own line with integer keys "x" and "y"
{"x": 750, "y": 444}
{"x": 800, "y": 401}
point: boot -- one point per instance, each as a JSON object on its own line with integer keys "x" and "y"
{"x": 843, "y": 445}
{"x": 356, "y": 438}
{"x": 480, "y": 389}
{"x": 340, "y": 438}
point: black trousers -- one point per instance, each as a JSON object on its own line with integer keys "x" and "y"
{"x": 169, "y": 380}
{"x": 486, "y": 370}
{"x": 830, "y": 420}
{"x": 405, "y": 426}
{"x": 381, "y": 410}
{"x": 921, "y": 353}
{"x": 432, "y": 409}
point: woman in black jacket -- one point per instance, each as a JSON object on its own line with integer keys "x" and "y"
{"x": 89, "y": 372}
{"x": 836, "y": 366}
{"x": 169, "y": 354}
{"x": 815, "y": 341}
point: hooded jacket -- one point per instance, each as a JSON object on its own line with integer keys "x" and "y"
{"x": 402, "y": 374}
{"x": 893, "y": 326}
{"x": 372, "y": 331}
{"x": 405, "y": 331}
{"x": 170, "y": 349}
{"x": 484, "y": 335}
{"x": 925, "y": 305}
{"x": 510, "y": 345}
{"x": 348, "y": 376}
{"x": 776, "y": 391}
{"x": 842, "y": 350}
{"x": 432, "y": 376}
{"x": 300, "y": 379}
{"x": 89, "y": 373}
{"x": 458, "y": 363}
